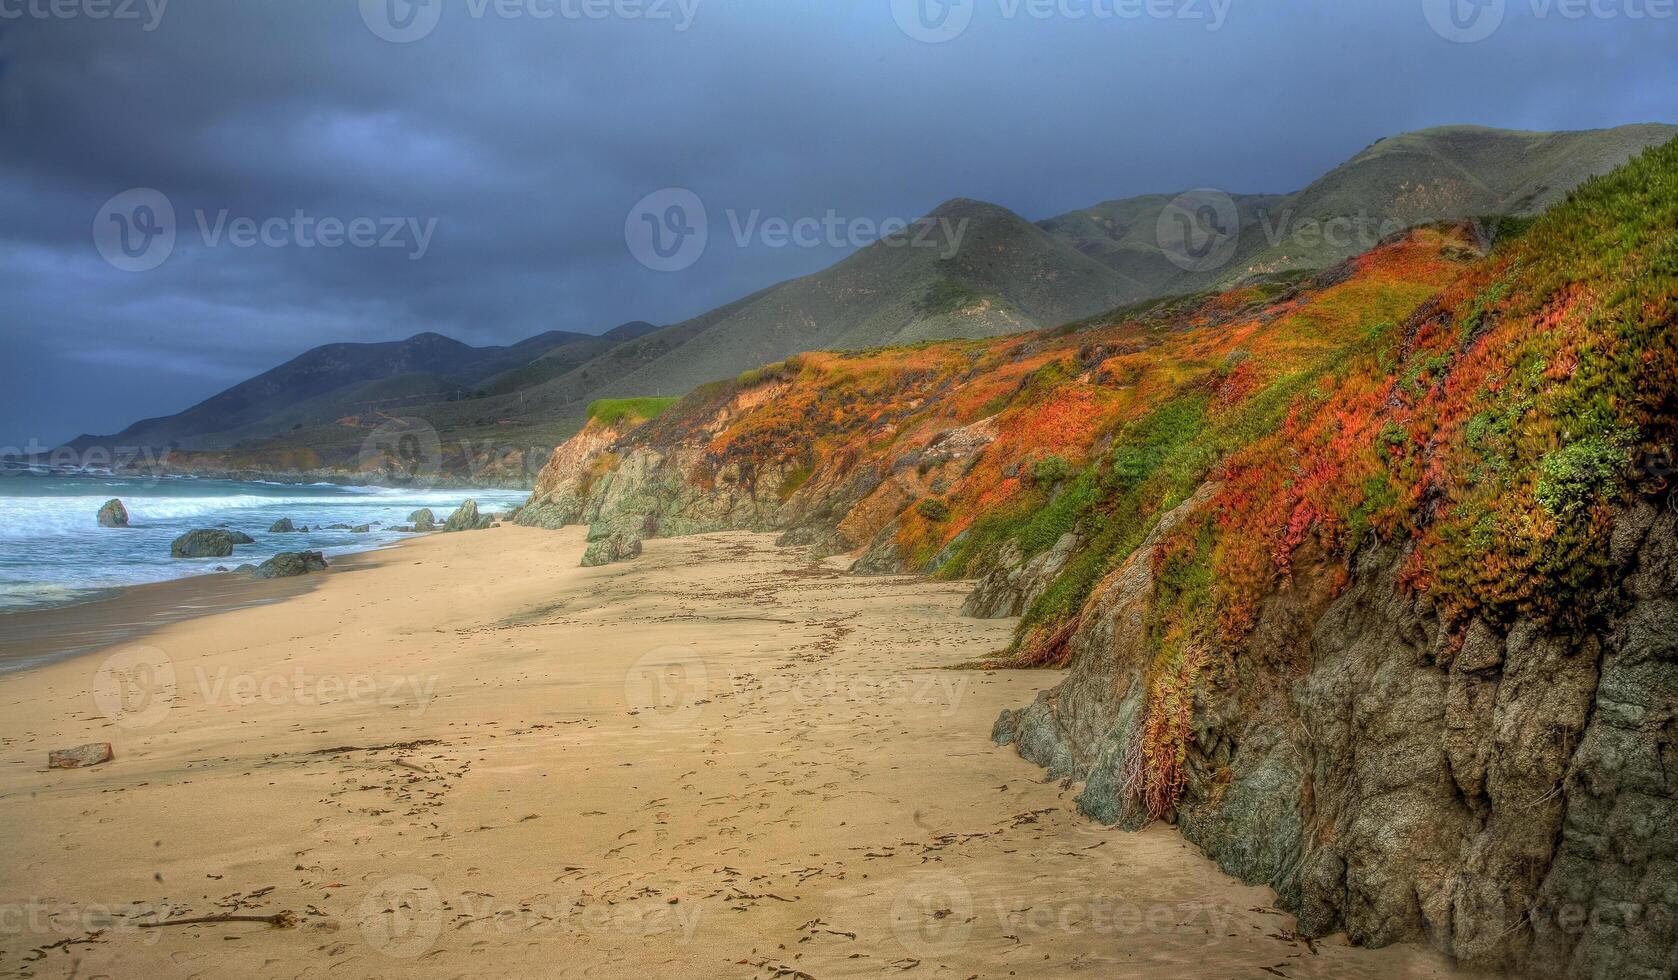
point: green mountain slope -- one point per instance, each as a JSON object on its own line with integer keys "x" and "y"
{"x": 1447, "y": 173}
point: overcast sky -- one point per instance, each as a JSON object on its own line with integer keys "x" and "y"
{"x": 499, "y": 156}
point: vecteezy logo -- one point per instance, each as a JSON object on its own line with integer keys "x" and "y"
{"x": 135, "y": 231}
{"x": 667, "y": 230}
{"x": 406, "y": 451}
{"x": 667, "y": 687}
{"x": 932, "y": 915}
{"x": 401, "y": 21}
{"x": 1199, "y": 231}
{"x": 402, "y": 916}
{"x": 134, "y": 686}
{"x": 932, "y": 21}
{"x": 1464, "y": 21}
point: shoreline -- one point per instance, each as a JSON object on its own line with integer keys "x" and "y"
{"x": 47, "y": 635}
{"x": 59, "y": 560}
{"x": 724, "y": 758}
{"x": 15, "y": 467}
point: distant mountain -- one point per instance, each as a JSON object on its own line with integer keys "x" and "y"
{"x": 995, "y": 273}
{"x": 1448, "y": 173}
{"x": 329, "y": 382}
{"x": 1009, "y": 276}
{"x": 969, "y": 269}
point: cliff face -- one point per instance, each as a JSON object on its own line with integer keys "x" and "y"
{"x": 1508, "y": 799}
{"x": 931, "y": 458}
{"x": 1368, "y": 581}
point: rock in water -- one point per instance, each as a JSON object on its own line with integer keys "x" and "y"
{"x": 423, "y": 519}
{"x": 207, "y": 543}
{"x": 113, "y": 514}
{"x": 283, "y": 526}
{"x": 90, "y": 754}
{"x": 467, "y": 518}
{"x": 361, "y": 529}
{"x": 290, "y": 564}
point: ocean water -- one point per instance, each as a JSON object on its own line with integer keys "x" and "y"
{"x": 53, "y": 551}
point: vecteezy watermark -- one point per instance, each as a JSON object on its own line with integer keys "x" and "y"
{"x": 406, "y": 451}
{"x": 39, "y": 457}
{"x": 148, "y": 12}
{"x": 937, "y": 21}
{"x": 937, "y": 691}
{"x": 669, "y": 230}
{"x": 668, "y": 687}
{"x": 62, "y": 924}
{"x": 405, "y": 21}
{"x": 932, "y": 915}
{"x": 136, "y": 231}
{"x": 403, "y": 916}
{"x": 1470, "y": 21}
{"x": 1200, "y": 230}
{"x": 137, "y": 686}
{"x": 935, "y": 914}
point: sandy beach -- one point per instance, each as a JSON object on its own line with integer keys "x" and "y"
{"x": 468, "y": 756}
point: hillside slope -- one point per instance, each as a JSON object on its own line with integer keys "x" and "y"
{"x": 335, "y": 380}
{"x": 968, "y": 270}
{"x": 1444, "y": 174}
{"x": 1369, "y": 582}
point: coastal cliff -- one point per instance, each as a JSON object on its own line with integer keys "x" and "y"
{"x": 1365, "y": 579}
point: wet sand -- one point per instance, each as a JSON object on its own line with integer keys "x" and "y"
{"x": 32, "y": 638}
{"x": 472, "y": 757}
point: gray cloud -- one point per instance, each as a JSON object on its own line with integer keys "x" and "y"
{"x": 528, "y": 140}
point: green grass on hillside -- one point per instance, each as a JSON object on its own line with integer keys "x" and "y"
{"x": 611, "y": 411}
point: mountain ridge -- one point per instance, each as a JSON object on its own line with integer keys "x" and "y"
{"x": 1008, "y": 275}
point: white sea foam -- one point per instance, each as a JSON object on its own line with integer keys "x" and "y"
{"x": 55, "y": 552}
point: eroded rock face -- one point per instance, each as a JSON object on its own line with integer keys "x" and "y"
{"x": 1508, "y": 797}
{"x": 615, "y": 546}
{"x": 1013, "y": 584}
{"x": 604, "y": 477}
{"x": 113, "y": 514}
{"x": 423, "y": 519}
{"x": 465, "y": 518}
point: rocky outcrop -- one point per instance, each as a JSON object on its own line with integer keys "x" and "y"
{"x": 423, "y": 519}
{"x": 1013, "y": 583}
{"x": 467, "y": 518}
{"x": 557, "y": 499}
{"x": 610, "y": 480}
{"x": 282, "y": 526}
{"x": 290, "y": 564}
{"x": 113, "y": 514}
{"x": 208, "y": 543}
{"x": 615, "y": 546}
{"x": 1506, "y": 794}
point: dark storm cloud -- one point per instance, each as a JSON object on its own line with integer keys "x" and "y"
{"x": 527, "y": 140}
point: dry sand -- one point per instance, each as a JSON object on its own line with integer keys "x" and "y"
{"x": 468, "y": 756}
